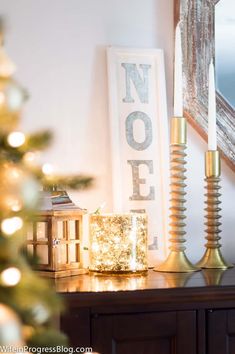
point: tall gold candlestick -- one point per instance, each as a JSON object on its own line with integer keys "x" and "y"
{"x": 177, "y": 260}
{"x": 213, "y": 257}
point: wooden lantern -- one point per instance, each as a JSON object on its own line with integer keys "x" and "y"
{"x": 54, "y": 236}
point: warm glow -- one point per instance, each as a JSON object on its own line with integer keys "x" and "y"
{"x": 47, "y": 169}
{"x": 13, "y": 203}
{"x": 30, "y": 158}
{"x": 2, "y": 98}
{"x": 17, "y": 206}
{"x": 10, "y": 225}
{"x": 118, "y": 242}
{"x": 10, "y": 276}
{"x": 95, "y": 247}
{"x": 14, "y": 173}
{"x": 16, "y": 139}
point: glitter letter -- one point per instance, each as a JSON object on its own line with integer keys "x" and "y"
{"x": 130, "y": 131}
{"x": 141, "y": 84}
{"x": 137, "y": 180}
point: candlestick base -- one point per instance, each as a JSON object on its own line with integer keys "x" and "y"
{"x": 212, "y": 258}
{"x": 177, "y": 262}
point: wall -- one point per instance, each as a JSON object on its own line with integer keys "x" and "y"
{"x": 59, "y": 48}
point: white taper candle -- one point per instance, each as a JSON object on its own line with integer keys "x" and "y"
{"x": 212, "y": 140}
{"x": 178, "y": 75}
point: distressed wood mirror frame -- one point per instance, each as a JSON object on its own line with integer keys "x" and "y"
{"x": 198, "y": 42}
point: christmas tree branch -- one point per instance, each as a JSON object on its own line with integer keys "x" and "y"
{"x": 37, "y": 141}
{"x": 76, "y": 182}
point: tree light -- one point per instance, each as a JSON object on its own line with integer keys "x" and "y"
{"x": 16, "y": 206}
{"x": 30, "y": 158}
{"x": 16, "y": 139}
{"x": 14, "y": 173}
{"x": 11, "y": 276}
{"x": 10, "y": 225}
{"x": 47, "y": 169}
{"x": 13, "y": 203}
{"x": 40, "y": 313}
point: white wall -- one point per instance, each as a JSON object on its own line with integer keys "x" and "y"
{"x": 59, "y": 48}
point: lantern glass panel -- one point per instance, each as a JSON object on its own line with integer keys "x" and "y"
{"x": 73, "y": 253}
{"x": 61, "y": 230}
{"x": 30, "y": 249}
{"x": 77, "y": 228}
{"x": 42, "y": 253}
{"x": 42, "y": 231}
{"x": 62, "y": 254}
{"x": 30, "y": 231}
{"x": 72, "y": 229}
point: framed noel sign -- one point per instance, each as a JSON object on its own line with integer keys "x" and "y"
{"x": 139, "y": 139}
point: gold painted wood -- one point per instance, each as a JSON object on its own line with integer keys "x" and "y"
{"x": 213, "y": 257}
{"x": 177, "y": 260}
{"x": 212, "y": 163}
{"x": 178, "y": 198}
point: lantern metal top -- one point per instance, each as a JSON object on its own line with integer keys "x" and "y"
{"x": 56, "y": 203}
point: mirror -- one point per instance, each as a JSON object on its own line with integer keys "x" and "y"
{"x": 199, "y": 28}
{"x": 225, "y": 49}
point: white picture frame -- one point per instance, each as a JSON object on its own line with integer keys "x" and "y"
{"x": 139, "y": 140}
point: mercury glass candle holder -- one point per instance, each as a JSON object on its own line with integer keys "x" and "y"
{"x": 118, "y": 243}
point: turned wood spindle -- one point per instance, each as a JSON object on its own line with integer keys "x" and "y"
{"x": 212, "y": 257}
{"x": 177, "y": 260}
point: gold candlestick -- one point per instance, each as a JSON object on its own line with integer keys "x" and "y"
{"x": 177, "y": 260}
{"x": 213, "y": 257}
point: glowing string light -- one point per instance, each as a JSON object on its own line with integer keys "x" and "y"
{"x": 16, "y": 139}
{"x": 30, "y": 158}
{"x": 10, "y": 225}
{"x": 10, "y": 276}
{"x": 47, "y": 169}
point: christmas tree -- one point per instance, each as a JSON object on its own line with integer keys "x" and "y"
{"x": 27, "y": 303}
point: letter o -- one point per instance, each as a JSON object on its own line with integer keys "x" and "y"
{"x": 131, "y": 118}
